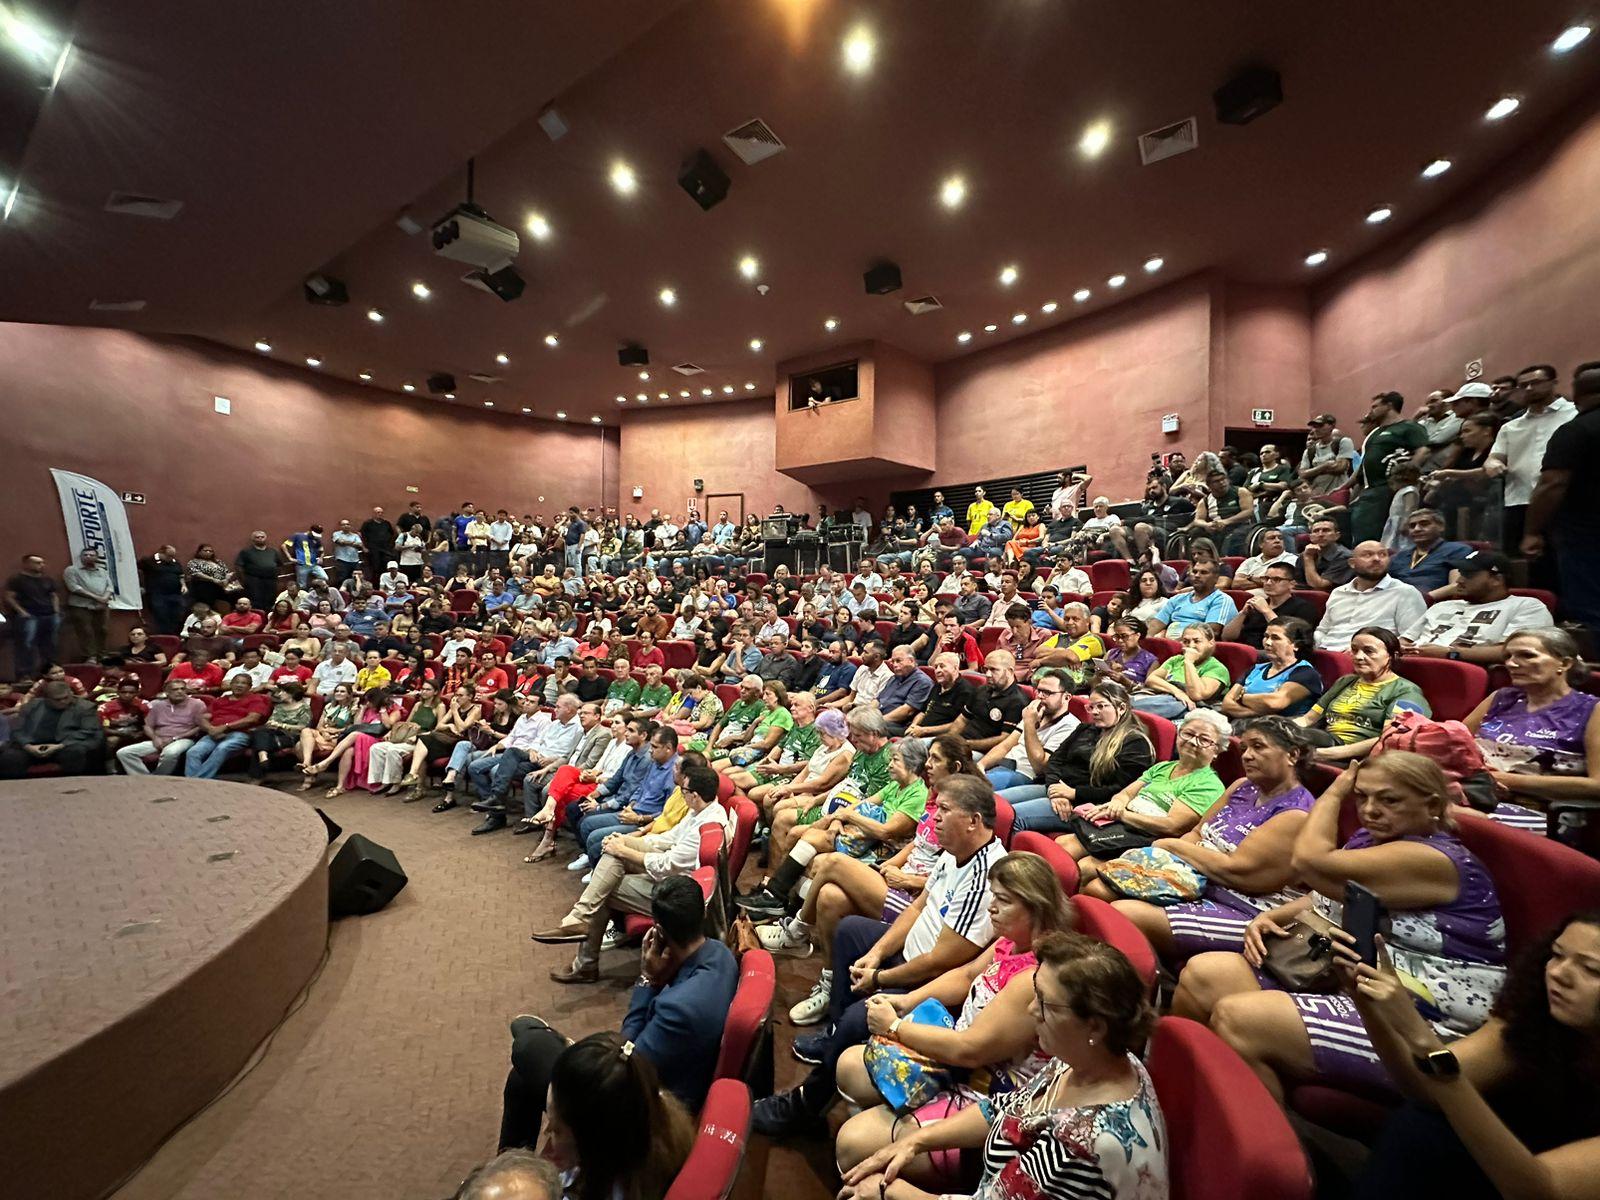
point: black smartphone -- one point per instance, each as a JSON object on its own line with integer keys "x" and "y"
{"x": 1364, "y": 915}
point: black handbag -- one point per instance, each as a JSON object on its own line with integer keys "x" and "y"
{"x": 1108, "y": 841}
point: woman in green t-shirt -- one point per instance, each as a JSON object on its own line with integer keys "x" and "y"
{"x": 1185, "y": 681}
{"x": 1166, "y": 801}
{"x": 1346, "y": 722}
{"x": 765, "y": 732}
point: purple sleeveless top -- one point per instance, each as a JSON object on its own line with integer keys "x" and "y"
{"x": 1547, "y": 742}
{"x": 1235, "y": 821}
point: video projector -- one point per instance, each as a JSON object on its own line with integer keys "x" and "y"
{"x": 466, "y": 234}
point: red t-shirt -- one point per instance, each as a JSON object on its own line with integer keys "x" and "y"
{"x": 204, "y": 680}
{"x": 302, "y": 673}
{"x": 249, "y": 622}
{"x": 491, "y": 681}
{"x": 964, "y": 645}
{"x": 228, "y": 708}
{"x": 113, "y": 712}
{"x": 642, "y": 658}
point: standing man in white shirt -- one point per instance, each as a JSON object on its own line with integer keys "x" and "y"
{"x": 1373, "y": 597}
{"x": 1518, "y": 450}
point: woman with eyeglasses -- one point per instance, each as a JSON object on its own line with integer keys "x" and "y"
{"x": 1100, "y": 757}
{"x": 1089, "y": 1124}
{"x": 1167, "y": 800}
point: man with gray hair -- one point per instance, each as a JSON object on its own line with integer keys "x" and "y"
{"x": 533, "y": 743}
{"x": 906, "y": 693}
{"x": 512, "y": 1175}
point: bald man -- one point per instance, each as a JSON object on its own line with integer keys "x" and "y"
{"x": 1372, "y": 597}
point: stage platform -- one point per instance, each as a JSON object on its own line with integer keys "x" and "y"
{"x": 153, "y": 932}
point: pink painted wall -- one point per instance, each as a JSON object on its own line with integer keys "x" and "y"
{"x": 137, "y": 414}
{"x": 905, "y": 418}
{"x": 1509, "y": 273}
{"x": 1261, "y": 355}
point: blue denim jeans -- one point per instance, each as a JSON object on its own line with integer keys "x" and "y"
{"x": 1033, "y": 812}
{"x": 204, "y": 759}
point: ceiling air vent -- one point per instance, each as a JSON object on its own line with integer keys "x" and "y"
{"x": 687, "y": 368}
{"x": 922, "y": 304}
{"x": 1168, "y": 141}
{"x": 480, "y": 377}
{"x": 753, "y": 141}
{"x": 131, "y": 204}
{"x": 116, "y": 305}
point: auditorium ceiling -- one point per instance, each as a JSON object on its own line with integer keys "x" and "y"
{"x": 955, "y": 138}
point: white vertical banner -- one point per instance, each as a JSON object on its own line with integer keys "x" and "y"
{"x": 96, "y": 520}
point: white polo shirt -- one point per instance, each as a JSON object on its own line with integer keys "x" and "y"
{"x": 1390, "y": 604}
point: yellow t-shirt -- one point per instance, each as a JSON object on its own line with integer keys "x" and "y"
{"x": 675, "y": 810}
{"x": 1016, "y": 511}
{"x": 371, "y": 677}
{"x": 978, "y": 516}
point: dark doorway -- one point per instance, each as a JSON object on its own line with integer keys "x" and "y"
{"x": 1291, "y": 443}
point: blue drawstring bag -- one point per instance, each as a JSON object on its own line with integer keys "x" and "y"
{"x": 905, "y": 1079}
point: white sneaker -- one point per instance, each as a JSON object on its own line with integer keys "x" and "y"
{"x": 814, "y": 1008}
{"x": 614, "y": 937}
{"x": 581, "y": 863}
{"x": 785, "y": 937}
{"x": 587, "y": 878}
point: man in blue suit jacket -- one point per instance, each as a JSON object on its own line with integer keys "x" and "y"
{"x": 686, "y": 985}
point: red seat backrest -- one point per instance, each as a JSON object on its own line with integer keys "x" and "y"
{"x": 989, "y": 638}
{"x": 1110, "y": 574}
{"x": 1163, "y": 734}
{"x": 1078, "y": 706}
{"x": 255, "y": 641}
{"x": 1453, "y": 688}
{"x": 463, "y": 600}
{"x": 1539, "y": 881}
{"x": 169, "y": 644}
{"x": 718, "y": 1149}
{"x": 745, "y": 818}
{"x": 1237, "y": 657}
{"x": 1162, "y": 647}
{"x": 885, "y": 629}
{"x": 1332, "y": 665}
{"x": 1315, "y": 597}
{"x": 1004, "y": 817}
{"x": 711, "y": 839}
{"x": 1227, "y": 1136}
{"x": 680, "y": 654}
{"x": 727, "y": 693}
{"x": 149, "y": 678}
{"x": 725, "y": 789}
{"x": 1029, "y": 842}
{"x": 87, "y": 674}
{"x": 751, "y": 1007}
{"x": 1101, "y": 921}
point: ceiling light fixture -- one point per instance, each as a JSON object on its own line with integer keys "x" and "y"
{"x": 641, "y": 398}
{"x": 529, "y": 410}
{"x": 1316, "y": 258}
{"x": 1436, "y": 168}
{"x": 374, "y": 316}
{"x": 421, "y": 290}
{"x": 264, "y": 347}
{"x": 1153, "y": 264}
{"x": 859, "y": 49}
{"x": 1008, "y": 276}
{"x": 1571, "y": 38}
{"x": 502, "y": 359}
{"x": 1081, "y": 295}
{"x": 990, "y": 328}
{"x": 749, "y": 387}
{"x": 1048, "y": 307}
{"x": 645, "y": 376}
{"x": 623, "y": 181}
{"x": 622, "y": 399}
{"x": 727, "y": 389}
{"x": 365, "y": 377}
{"x": 594, "y": 420}
{"x": 756, "y": 344}
{"x": 11, "y": 199}
{"x": 1019, "y": 318}
{"x": 488, "y": 403}
{"x": 831, "y": 324}
{"x": 749, "y": 266}
{"x": 964, "y": 336}
{"x": 1502, "y": 108}
{"x": 313, "y": 361}
{"x": 667, "y": 296}
{"x": 683, "y": 394}
{"x": 1379, "y": 215}
{"x": 1117, "y": 280}
{"x": 449, "y": 395}
{"x": 551, "y": 340}
{"x": 560, "y": 416}
{"x": 953, "y": 192}
{"x": 705, "y": 391}
{"x": 663, "y": 395}
{"x": 408, "y": 387}
{"x": 538, "y": 226}
{"x": 1096, "y": 137}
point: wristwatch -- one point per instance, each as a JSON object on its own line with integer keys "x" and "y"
{"x": 1453, "y": 655}
{"x": 1438, "y": 1064}
{"x": 894, "y": 1026}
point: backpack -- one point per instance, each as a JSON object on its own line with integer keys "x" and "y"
{"x": 1448, "y": 743}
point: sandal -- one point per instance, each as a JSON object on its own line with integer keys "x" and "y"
{"x": 541, "y": 852}
{"x": 334, "y": 792}
{"x": 410, "y": 781}
{"x": 306, "y": 784}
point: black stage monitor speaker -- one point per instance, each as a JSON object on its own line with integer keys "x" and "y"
{"x": 363, "y": 877}
{"x": 1251, "y": 93}
{"x": 882, "y": 279}
{"x": 706, "y": 183}
{"x": 441, "y": 383}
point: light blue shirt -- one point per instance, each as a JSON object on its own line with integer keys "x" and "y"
{"x": 1184, "y": 610}
{"x": 723, "y": 533}
{"x": 563, "y": 646}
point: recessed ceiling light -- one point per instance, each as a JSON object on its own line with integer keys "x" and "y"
{"x": 594, "y": 420}
{"x": 749, "y": 387}
{"x": 623, "y": 180}
{"x": 375, "y": 316}
{"x": 1571, "y": 38}
{"x": 667, "y": 296}
{"x": 421, "y": 290}
{"x": 663, "y": 395}
{"x": 313, "y": 361}
{"x": 365, "y": 377}
{"x": 1048, "y": 307}
{"x": 622, "y": 399}
{"x": 1096, "y": 137}
{"x": 1379, "y": 215}
{"x": 551, "y": 340}
{"x": 705, "y": 391}
{"x": 1008, "y": 276}
{"x": 1117, "y": 280}
{"x": 1081, "y": 295}
{"x": 831, "y": 324}
{"x": 953, "y": 192}
{"x": 529, "y": 410}
{"x": 1018, "y": 318}
{"x": 756, "y": 344}
{"x": 560, "y": 416}
{"x": 502, "y": 359}
{"x": 964, "y": 336}
{"x": 1436, "y": 168}
{"x": 1502, "y": 108}
{"x": 683, "y": 394}
{"x": 408, "y": 387}
{"x": 727, "y": 389}
{"x": 641, "y": 397}
{"x": 11, "y": 198}
{"x": 859, "y": 48}
{"x": 1316, "y": 258}
{"x": 449, "y": 395}
{"x": 264, "y": 347}
{"x": 538, "y": 226}
{"x": 990, "y": 328}
{"x": 749, "y": 267}
{"x": 645, "y": 375}
{"x": 488, "y": 403}
{"x": 1154, "y": 263}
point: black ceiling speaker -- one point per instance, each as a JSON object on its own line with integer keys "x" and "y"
{"x": 441, "y": 383}
{"x": 633, "y": 355}
{"x": 706, "y": 183}
{"x": 882, "y": 279}
{"x": 1251, "y": 93}
{"x": 325, "y": 289}
{"x": 505, "y": 282}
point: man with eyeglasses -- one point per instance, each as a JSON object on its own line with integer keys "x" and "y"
{"x": 1020, "y": 757}
{"x": 1273, "y": 602}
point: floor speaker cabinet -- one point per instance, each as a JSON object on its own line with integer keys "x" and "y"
{"x": 362, "y": 878}
{"x": 776, "y": 554}
{"x": 844, "y": 556}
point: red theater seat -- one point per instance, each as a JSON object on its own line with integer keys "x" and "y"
{"x": 1110, "y": 574}
{"x": 1163, "y": 734}
{"x": 1453, "y": 688}
{"x": 1004, "y": 817}
{"x": 752, "y": 1004}
{"x": 1101, "y": 921}
{"x": 1332, "y": 665}
{"x": 1237, "y": 657}
{"x": 1046, "y": 848}
{"x": 1539, "y": 881}
{"x": 718, "y": 1149}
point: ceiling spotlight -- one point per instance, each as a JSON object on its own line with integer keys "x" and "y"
{"x": 1081, "y": 295}
{"x": 859, "y": 49}
{"x": 374, "y": 316}
{"x": 623, "y": 181}
{"x": 408, "y": 387}
{"x": 1018, "y": 318}
{"x": 538, "y": 226}
{"x": 264, "y": 347}
{"x": 749, "y": 267}
{"x": 663, "y": 395}
{"x": 1436, "y": 168}
{"x": 1571, "y": 38}
{"x": 705, "y": 391}
{"x": 749, "y": 387}
{"x": 449, "y": 395}
{"x": 622, "y": 399}
{"x": 529, "y": 410}
{"x": 953, "y": 192}
{"x": 1008, "y": 276}
{"x": 990, "y": 328}
{"x": 831, "y": 324}
{"x": 1502, "y": 108}
{"x": 1154, "y": 263}
{"x": 365, "y": 377}
{"x": 551, "y": 340}
{"x": 1116, "y": 281}
{"x": 756, "y": 344}
{"x": 645, "y": 376}
{"x": 1095, "y": 139}
{"x": 683, "y": 394}
{"x": 641, "y": 397}
{"x": 560, "y": 416}
{"x": 1379, "y": 215}
{"x": 488, "y": 403}
{"x": 727, "y": 389}
{"x": 502, "y": 359}
{"x": 421, "y": 290}
{"x": 592, "y": 420}
{"x": 1048, "y": 307}
{"x": 313, "y": 361}
{"x": 667, "y": 296}
{"x": 1316, "y": 258}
